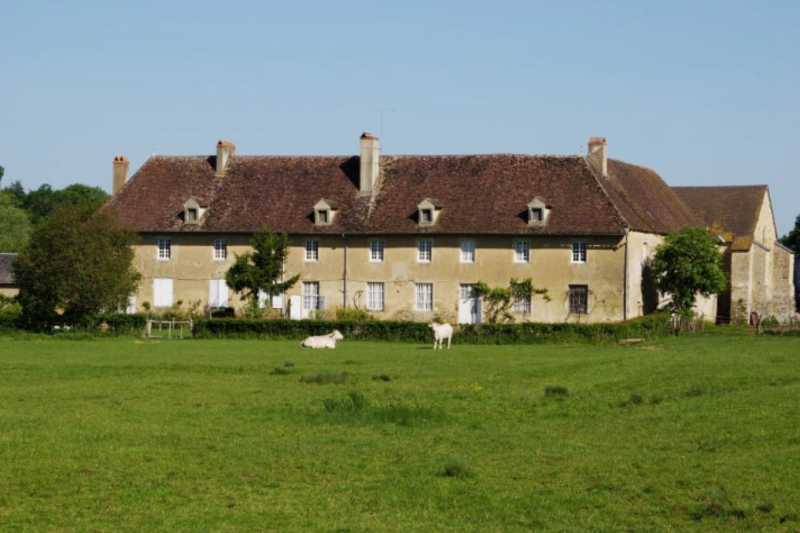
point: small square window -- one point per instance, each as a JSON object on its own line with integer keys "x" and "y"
{"x": 312, "y": 251}
{"x": 578, "y": 252}
{"x": 522, "y": 305}
{"x": 467, "y": 251}
{"x": 322, "y": 216}
{"x": 220, "y": 249}
{"x": 522, "y": 251}
{"x": 424, "y": 251}
{"x": 191, "y": 215}
{"x": 537, "y": 214}
{"x": 164, "y": 249}
{"x": 426, "y": 216}
{"x": 376, "y": 251}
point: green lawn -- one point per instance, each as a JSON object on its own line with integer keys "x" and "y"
{"x": 127, "y": 435}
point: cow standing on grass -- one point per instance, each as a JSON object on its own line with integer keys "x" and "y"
{"x": 323, "y": 341}
{"x": 440, "y": 333}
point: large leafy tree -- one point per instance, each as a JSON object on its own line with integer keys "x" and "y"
{"x": 78, "y": 262}
{"x": 792, "y": 239}
{"x": 688, "y": 263}
{"x": 14, "y": 225}
{"x": 261, "y": 270}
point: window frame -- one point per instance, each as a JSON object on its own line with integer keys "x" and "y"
{"x": 220, "y": 252}
{"x": 523, "y": 305}
{"x": 579, "y": 252}
{"x": 578, "y": 299}
{"x": 311, "y": 248}
{"x": 376, "y": 296}
{"x": 468, "y": 247}
{"x": 164, "y": 249}
{"x": 426, "y": 291}
{"x": 421, "y": 251}
{"x": 522, "y": 255}
{"x": 377, "y": 252}
{"x": 310, "y": 295}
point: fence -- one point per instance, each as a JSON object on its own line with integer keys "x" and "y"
{"x": 168, "y": 329}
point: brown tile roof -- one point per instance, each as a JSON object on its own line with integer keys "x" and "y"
{"x": 732, "y": 211}
{"x": 7, "y": 268}
{"x": 477, "y": 194}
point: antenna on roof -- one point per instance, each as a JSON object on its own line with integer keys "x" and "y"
{"x": 382, "y": 111}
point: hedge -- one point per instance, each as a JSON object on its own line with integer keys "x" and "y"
{"x": 526, "y": 333}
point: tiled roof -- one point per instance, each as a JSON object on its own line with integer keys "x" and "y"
{"x": 477, "y": 194}
{"x": 732, "y": 211}
{"x": 7, "y": 268}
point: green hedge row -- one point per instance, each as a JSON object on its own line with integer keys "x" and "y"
{"x": 527, "y": 333}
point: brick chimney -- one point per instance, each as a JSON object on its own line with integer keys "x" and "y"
{"x": 225, "y": 149}
{"x": 370, "y": 157}
{"x": 598, "y": 154}
{"x": 121, "y": 166}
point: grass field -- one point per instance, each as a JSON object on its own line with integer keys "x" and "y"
{"x": 124, "y": 435}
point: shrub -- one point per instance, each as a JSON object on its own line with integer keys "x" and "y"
{"x": 352, "y": 314}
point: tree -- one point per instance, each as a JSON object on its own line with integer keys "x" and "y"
{"x": 44, "y": 200}
{"x": 688, "y": 263}
{"x": 499, "y": 300}
{"x": 14, "y": 225}
{"x": 78, "y": 262}
{"x": 792, "y": 240}
{"x": 260, "y": 271}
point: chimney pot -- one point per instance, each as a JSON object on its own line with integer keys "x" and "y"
{"x": 598, "y": 154}
{"x": 120, "y": 175}
{"x": 225, "y": 149}
{"x": 370, "y": 163}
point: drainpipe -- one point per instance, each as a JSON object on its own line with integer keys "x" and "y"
{"x": 344, "y": 273}
{"x": 625, "y": 280}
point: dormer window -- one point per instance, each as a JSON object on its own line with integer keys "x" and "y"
{"x": 428, "y": 211}
{"x": 538, "y": 211}
{"x": 193, "y": 211}
{"x": 324, "y": 211}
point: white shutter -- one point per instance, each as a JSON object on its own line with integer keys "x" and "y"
{"x": 217, "y": 293}
{"x": 162, "y": 292}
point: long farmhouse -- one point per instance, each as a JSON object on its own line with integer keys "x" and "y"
{"x": 406, "y": 237}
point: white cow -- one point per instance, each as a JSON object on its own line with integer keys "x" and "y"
{"x": 323, "y": 341}
{"x": 440, "y": 333}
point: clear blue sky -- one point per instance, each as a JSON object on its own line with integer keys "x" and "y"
{"x": 703, "y": 92}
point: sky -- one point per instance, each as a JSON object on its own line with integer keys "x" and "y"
{"x": 704, "y": 92}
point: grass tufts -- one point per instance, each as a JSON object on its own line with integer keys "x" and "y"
{"x": 279, "y": 371}
{"x": 555, "y": 391}
{"x": 381, "y": 377}
{"x": 326, "y": 378}
{"x": 694, "y": 391}
{"x": 456, "y": 468}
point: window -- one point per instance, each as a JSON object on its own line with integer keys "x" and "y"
{"x": 579, "y": 299}
{"x": 312, "y": 251}
{"x": 311, "y": 295}
{"x": 467, "y": 251}
{"x": 324, "y": 211}
{"x": 467, "y": 291}
{"x": 322, "y": 217}
{"x": 375, "y": 296}
{"x": 220, "y": 249}
{"x": 191, "y": 214}
{"x": 522, "y": 305}
{"x": 578, "y": 252}
{"x": 424, "y": 254}
{"x": 426, "y": 216}
{"x": 217, "y": 293}
{"x": 164, "y": 249}
{"x": 424, "y": 296}
{"x": 522, "y": 251}
{"x": 537, "y": 215}
{"x": 162, "y": 292}
{"x": 376, "y": 251}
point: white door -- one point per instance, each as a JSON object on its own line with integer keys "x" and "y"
{"x": 295, "y": 307}
{"x": 469, "y": 307}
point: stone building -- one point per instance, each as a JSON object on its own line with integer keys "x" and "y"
{"x": 8, "y": 286}
{"x": 405, "y": 236}
{"x": 760, "y": 268}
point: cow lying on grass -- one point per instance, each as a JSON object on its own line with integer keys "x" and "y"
{"x": 440, "y": 333}
{"x": 323, "y": 341}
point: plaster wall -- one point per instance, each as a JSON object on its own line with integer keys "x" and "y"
{"x": 9, "y": 291}
{"x": 192, "y": 266}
